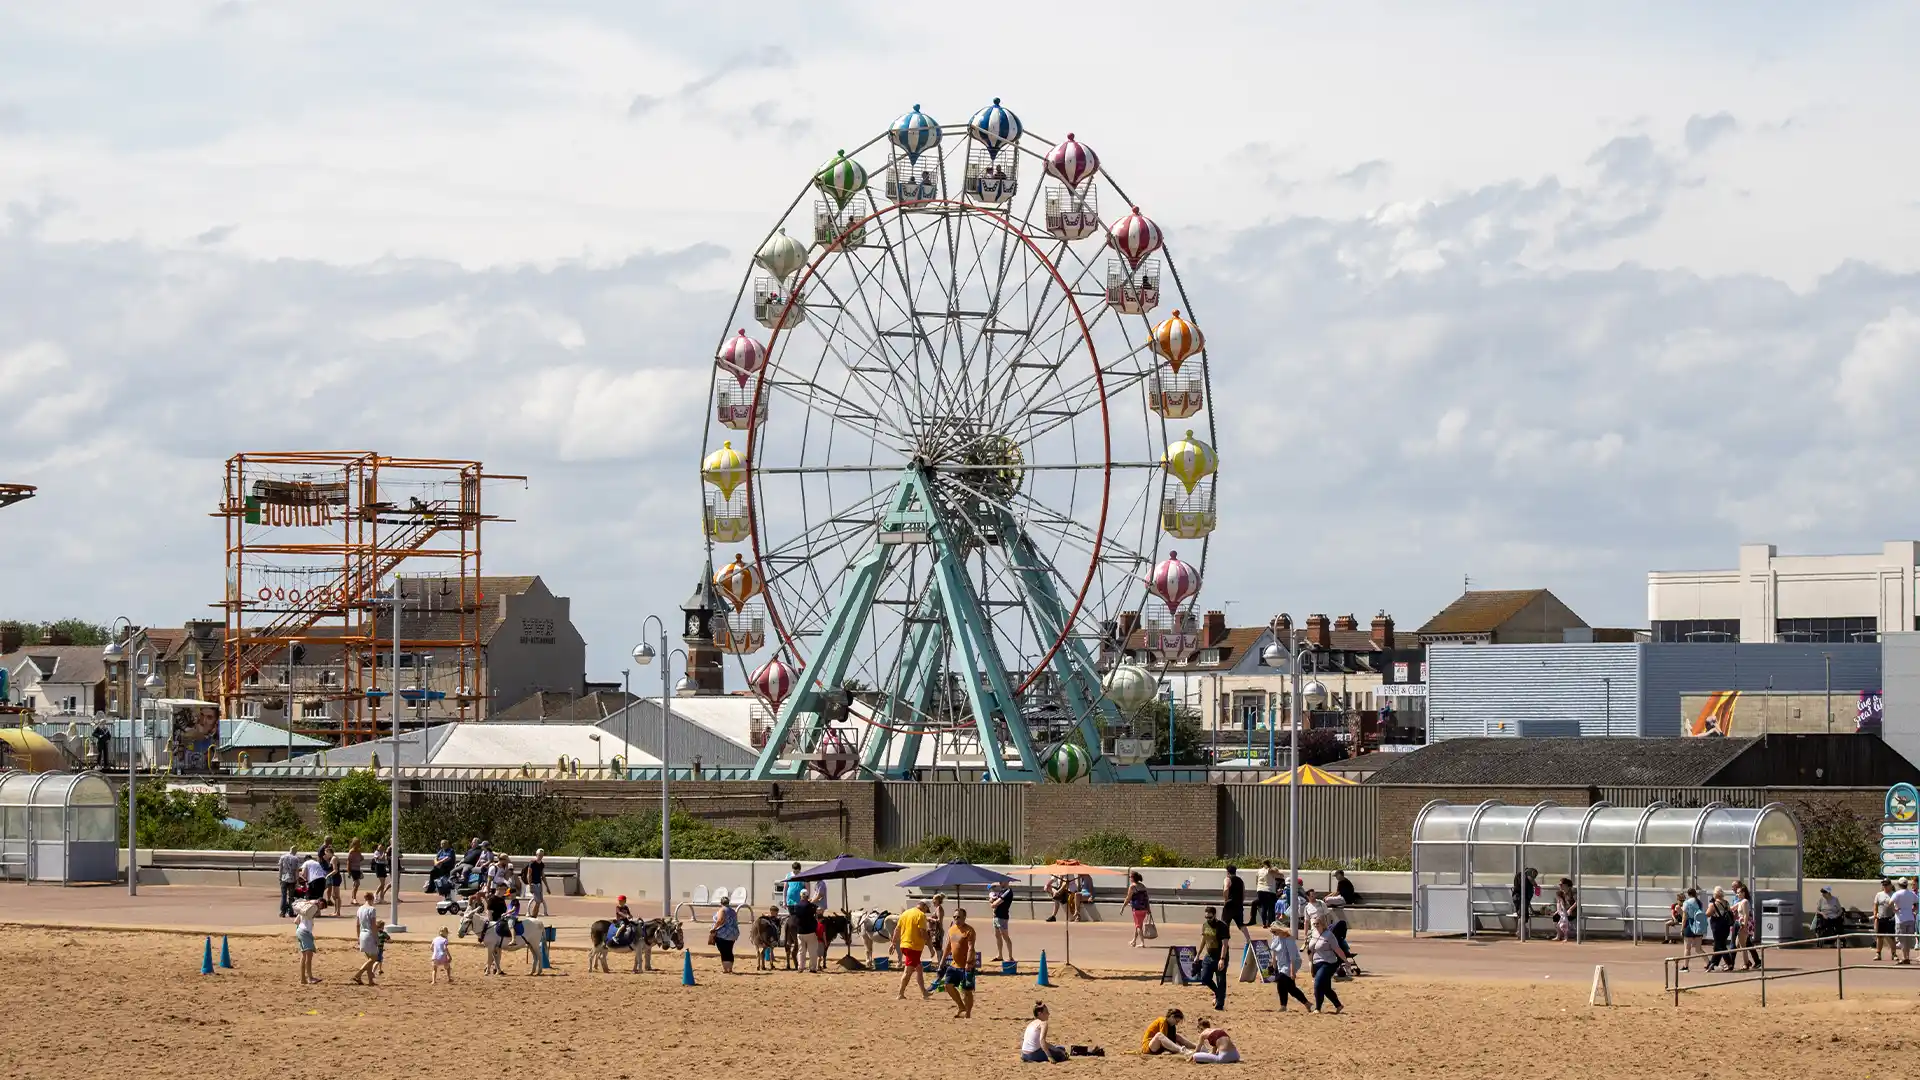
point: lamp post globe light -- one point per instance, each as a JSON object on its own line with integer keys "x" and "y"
{"x": 644, "y": 654}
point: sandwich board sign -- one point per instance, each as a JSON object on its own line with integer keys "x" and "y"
{"x": 1180, "y": 964}
{"x": 1900, "y": 833}
{"x": 1256, "y": 961}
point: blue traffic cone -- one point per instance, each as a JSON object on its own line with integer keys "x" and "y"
{"x": 226, "y": 958}
{"x": 686, "y": 970}
{"x": 1042, "y": 980}
{"x": 206, "y": 959}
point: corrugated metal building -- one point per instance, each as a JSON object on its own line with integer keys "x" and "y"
{"x": 1621, "y": 689}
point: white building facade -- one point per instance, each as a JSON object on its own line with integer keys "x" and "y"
{"x": 1774, "y": 597}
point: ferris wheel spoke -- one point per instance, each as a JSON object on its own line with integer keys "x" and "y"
{"x": 875, "y": 342}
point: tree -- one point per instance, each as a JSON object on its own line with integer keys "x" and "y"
{"x": 80, "y": 631}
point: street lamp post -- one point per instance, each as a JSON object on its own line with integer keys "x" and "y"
{"x": 626, "y": 711}
{"x": 643, "y": 654}
{"x": 393, "y": 705}
{"x": 129, "y": 709}
{"x": 1296, "y": 655}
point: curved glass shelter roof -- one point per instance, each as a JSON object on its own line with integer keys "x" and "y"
{"x": 1715, "y": 825}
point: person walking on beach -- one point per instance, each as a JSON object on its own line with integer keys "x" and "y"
{"x": 370, "y": 949}
{"x": 1233, "y": 902}
{"x": 364, "y": 916}
{"x": 1327, "y": 955}
{"x": 290, "y": 882}
{"x": 303, "y": 912}
{"x": 960, "y": 957}
{"x": 1266, "y": 899}
{"x": 1000, "y": 899}
{"x": 1906, "y": 909}
{"x": 1035, "y": 1047}
{"x": 1746, "y": 928}
{"x": 1214, "y": 935}
{"x": 356, "y": 865}
{"x": 1286, "y": 970}
{"x": 442, "y": 958}
{"x": 536, "y": 875}
{"x": 1883, "y": 921}
{"x": 1720, "y": 923}
{"x": 910, "y": 936}
{"x": 379, "y": 860}
{"x": 726, "y": 931}
{"x": 1694, "y": 933}
{"x": 1525, "y": 885}
{"x": 1140, "y": 905}
{"x": 1214, "y": 1046}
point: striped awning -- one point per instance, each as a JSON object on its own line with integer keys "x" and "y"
{"x": 1310, "y": 775}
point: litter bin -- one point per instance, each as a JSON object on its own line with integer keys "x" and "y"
{"x": 1779, "y": 920}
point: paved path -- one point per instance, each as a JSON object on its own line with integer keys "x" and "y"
{"x": 1101, "y": 947}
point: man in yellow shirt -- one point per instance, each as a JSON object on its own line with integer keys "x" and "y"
{"x": 910, "y": 936}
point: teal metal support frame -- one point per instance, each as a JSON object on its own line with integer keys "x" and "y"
{"x": 949, "y": 614}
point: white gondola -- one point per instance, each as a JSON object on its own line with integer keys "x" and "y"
{"x": 1072, "y": 214}
{"x": 727, "y": 520}
{"x": 912, "y": 183}
{"x": 991, "y": 180}
{"x": 846, "y": 228}
{"x": 738, "y": 410}
{"x": 1188, "y": 515}
{"x": 742, "y": 631}
{"x": 771, "y": 307}
{"x": 1176, "y": 397}
{"x": 1136, "y": 289}
{"x": 1172, "y": 639}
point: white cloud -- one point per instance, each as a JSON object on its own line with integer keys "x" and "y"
{"x": 1456, "y": 326}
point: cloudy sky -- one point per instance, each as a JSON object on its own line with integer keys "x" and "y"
{"x": 1540, "y": 297}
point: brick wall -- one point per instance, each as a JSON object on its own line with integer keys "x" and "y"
{"x": 1184, "y": 817}
{"x": 1401, "y": 803}
{"x": 836, "y": 814}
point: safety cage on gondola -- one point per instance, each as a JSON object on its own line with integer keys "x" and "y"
{"x": 777, "y": 307}
{"x": 736, "y": 407}
{"x": 842, "y": 227}
{"x": 1176, "y": 397}
{"x": 727, "y": 520}
{"x": 1188, "y": 515}
{"x": 1072, "y": 213}
{"x": 1134, "y": 290}
{"x": 907, "y": 182}
{"x": 991, "y": 178}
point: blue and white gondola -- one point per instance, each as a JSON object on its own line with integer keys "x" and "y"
{"x": 994, "y": 127}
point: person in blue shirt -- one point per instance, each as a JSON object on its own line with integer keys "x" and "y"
{"x": 1693, "y": 934}
{"x": 796, "y": 891}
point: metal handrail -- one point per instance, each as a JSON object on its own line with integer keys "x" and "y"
{"x": 1670, "y": 966}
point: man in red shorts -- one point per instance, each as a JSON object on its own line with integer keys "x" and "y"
{"x": 910, "y": 934}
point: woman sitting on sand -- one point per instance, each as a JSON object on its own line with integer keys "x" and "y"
{"x": 1163, "y": 1037}
{"x": 1215, "y": 1046}
{"x": 1034, "y": 1046}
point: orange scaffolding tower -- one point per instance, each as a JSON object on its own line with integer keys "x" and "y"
{"x": 310, "y": 536}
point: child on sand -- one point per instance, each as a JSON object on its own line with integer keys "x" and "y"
{"x": 442, "y": 958}
{"x": 303, "y": 913}
{"x": 369, "y": 948}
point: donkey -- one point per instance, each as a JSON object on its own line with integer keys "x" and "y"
{"x": 475, "y": 923}
{"x": 648, "y": 934}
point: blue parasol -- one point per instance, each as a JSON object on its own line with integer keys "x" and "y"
{"x": 955, "y": 874}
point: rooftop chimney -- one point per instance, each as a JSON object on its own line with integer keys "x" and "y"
{"x": 1346, "y": 622}
{"x": 1383, "y": 631}
{"x": 56, "y": 637}
{"x": 11, "y": 638}
{"x": 1282, "y": 624}
{"x": 1216, "y": 627}
{"x": 1319, "y": 632}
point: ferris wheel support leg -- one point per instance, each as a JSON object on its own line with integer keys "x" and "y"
{"x": 915, "y": 684}
{"x": 1071, "y": 663}
{"x": 841, "y": 634}
{"x": 989, "y": 691}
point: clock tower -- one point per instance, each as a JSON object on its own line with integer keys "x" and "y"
{"x": 704, "y": 667}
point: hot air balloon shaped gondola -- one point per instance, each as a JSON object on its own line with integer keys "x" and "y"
{"x": 777, "y": 304}
{"x": 909, "y": 178}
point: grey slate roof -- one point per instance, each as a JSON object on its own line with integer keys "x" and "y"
{"x": 1682, "y": 762}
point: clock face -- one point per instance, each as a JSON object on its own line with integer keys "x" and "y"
{"x": 693, "y": 624}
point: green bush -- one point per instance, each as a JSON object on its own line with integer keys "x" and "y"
{"x": 517, "y": 824}
{"x": 940, "y": 849}
{"x": 1838, "y": 844}
{"x": 178, "y": 819}
{"x": 357, "y": 806}
{"x": 1118, "y": 849}
{"x": 637, "y": 836}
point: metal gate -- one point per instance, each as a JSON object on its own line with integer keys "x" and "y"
{"x": 1336, "y": 821}
{"x": 988, "y": 813}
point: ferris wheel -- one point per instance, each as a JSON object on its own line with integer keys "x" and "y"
{"x": 958, "y": 425}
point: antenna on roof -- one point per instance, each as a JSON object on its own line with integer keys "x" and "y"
{"x": 1466, "y": 583}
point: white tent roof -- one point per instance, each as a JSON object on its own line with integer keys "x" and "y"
{"x": 497, "y": 745}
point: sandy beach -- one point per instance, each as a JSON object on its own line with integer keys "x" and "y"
{"x": 105, "y": 1003}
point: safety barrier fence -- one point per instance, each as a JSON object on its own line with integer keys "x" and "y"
{"x": 1677, "y": 966}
